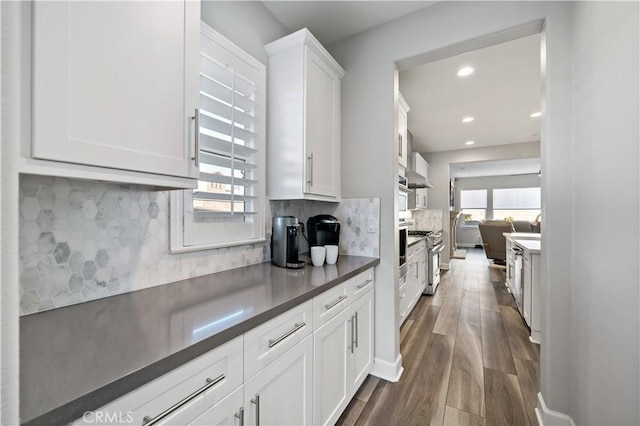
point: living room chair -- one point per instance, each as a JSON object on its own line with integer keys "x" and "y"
{"x": 493, "y": 240}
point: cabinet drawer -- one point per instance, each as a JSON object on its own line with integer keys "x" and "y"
{"x": 414, "y": 249}
{"x": 330, "y": 303}
{"x": 361, "y": 283}
{"x": 220, "y": 370}
{"x": 265, "y": 343}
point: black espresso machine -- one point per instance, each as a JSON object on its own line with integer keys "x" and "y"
{"x": 323, "y": 230}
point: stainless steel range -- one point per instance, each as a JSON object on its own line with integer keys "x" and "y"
{"x": 434, "y": 247}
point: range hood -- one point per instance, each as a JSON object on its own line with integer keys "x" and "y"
{"x": 420, "y": 184}
{"x": 417, "y": 173}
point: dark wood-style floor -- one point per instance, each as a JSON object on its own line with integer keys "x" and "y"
{"x": 467, "y": 358}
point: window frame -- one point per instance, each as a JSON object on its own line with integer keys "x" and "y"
{"x": 179, "y": 241}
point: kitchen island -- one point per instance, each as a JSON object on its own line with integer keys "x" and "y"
{"x": 81, "y": 357}
{"x": 523, "y": 278}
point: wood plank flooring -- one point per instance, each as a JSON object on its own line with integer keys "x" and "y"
{"x": 467, "y": 358}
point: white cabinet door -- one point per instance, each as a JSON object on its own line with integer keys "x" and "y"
{"x": 304, "y": 119}
{"x": 403, "y": 299}
{"x": 361, "y": 357}
{"x": 115, "y": 84}
{"x": 281, "y": 393}
{"x": 526, "y": 297}
{"x": 536, "y": 307}
{"x": 322, "y": 122}
{"x": 422, "y": 270}
{"x": 421, "y": 198}
{"x": 332, "y": 341}
{"x": 412, "y": 282}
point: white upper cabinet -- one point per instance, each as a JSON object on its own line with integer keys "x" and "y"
{"x": 116, "y": 87}
{"x": 303, "y": 120}
{"x": 403, "y": 110}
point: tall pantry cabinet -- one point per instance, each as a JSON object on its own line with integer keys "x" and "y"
{"x": 304, "y": 120}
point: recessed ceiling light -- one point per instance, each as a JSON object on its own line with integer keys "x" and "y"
{"x": 536, "y": 114}
{"x": 467, "y": 119}
{"x": 469, "y": 142}
{"x": 465, "y": 71}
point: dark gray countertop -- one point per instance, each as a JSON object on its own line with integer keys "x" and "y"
{"x": 83, "y": 356}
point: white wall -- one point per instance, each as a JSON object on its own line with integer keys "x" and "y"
{"x": 439, "y": 174}
{"x": 604, "y": 310}
{"x": 9, "y": 293}
{"x": 369, "y": 164}
{"x": 249, "y": 24}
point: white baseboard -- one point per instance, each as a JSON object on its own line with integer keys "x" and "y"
{"x": 445, "y": 266}
{"x": 466, "y": 245}
{"x": 549, "y": 417}
{"x": 389, "y": 371}
{"x": 535, "y": 337}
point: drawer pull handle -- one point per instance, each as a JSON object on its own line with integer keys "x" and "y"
{"x": 334, "y": 303}
{"x": 196, "y": 157}
{"x": 356, "y": 327}
{"x": 240, "y": 415}
{"x": 148, "y": 421}
{"x": 364, "y": 284}
{"x": 256, "y": 401}
{"x": 353, "y": 334}
{"x": 296, "y": 327}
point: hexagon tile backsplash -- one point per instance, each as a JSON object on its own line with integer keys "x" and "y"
{"x": 83, "y": 240}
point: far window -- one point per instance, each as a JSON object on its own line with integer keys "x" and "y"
{"x": 227, "y": 208}
{"x": 473, "y": 205}
{"x": 516, "y": 203}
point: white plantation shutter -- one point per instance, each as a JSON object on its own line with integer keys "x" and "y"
{"x": 227, "y": 207}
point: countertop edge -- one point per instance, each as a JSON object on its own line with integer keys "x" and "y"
{"x": 416, "y": 241}
{"x": 74, "y": 409}
{"x": 525, "y": 246}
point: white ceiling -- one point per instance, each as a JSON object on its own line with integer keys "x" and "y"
{"x": 330, "y": 21}
{"x": 495, "y": 168}
{"x": 501, "y": 94}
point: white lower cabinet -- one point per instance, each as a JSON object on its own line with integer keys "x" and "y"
{"x": 536, "y": 310}
{"x": 183, "y": 393}
{"x": 281, "y": 393}
{"x": 422, "y": 271}
{"x": 361, "y": 357}
{"x": 278, "y": 373}
{"x": 343, "y": 357}
{"x": 410, "y": 287}
{"x": 332, "y": 342}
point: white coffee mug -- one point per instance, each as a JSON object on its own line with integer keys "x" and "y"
{"x": 332, "y": 254}
{"x": 317, "y": 255}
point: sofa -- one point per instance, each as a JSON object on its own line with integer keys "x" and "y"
{"x": 493, "y": 239}
{"x": 526, "y": 226}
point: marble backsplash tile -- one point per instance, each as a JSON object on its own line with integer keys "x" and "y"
{"x": 353, "y": 214}
{"x": 430, "y": 219}
{"x": 83, "y": 240}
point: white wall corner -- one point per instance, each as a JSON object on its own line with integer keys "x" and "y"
{"x": 389, "y": 371}
{"x": 549, "y": 417}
